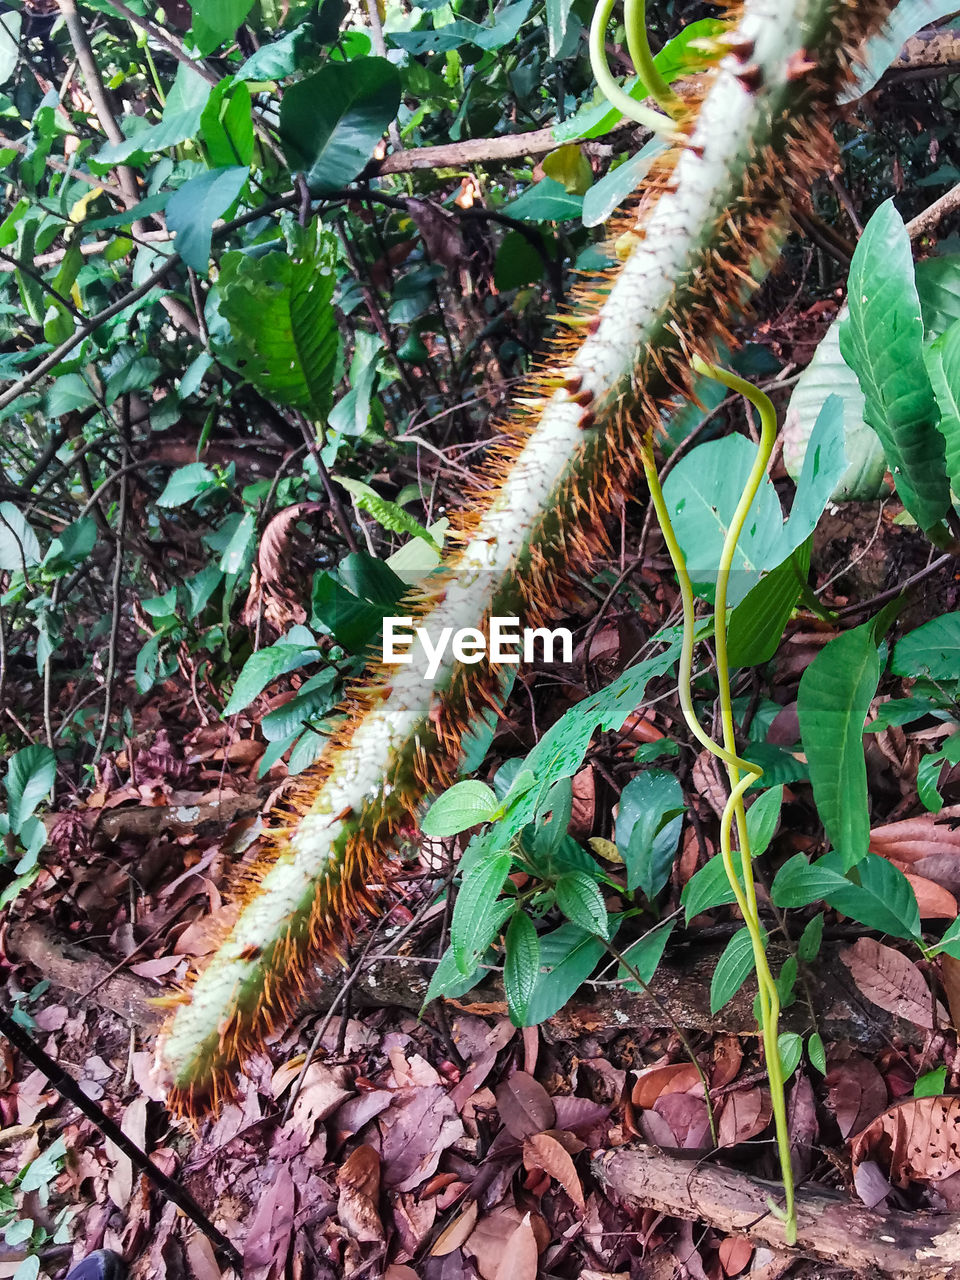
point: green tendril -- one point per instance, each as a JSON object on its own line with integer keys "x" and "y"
{"x": 741, "y": 773}
{"x": 627, "y": 106}
{"x": 635, "y": 21}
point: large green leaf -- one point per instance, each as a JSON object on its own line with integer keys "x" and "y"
{"x": 758, "y": 621}
{"x": 733, "y": 968}
{"x": 832, "y": 704}
{"x": 938, "y": 284}
{"x": 649, "y": 820}
{"x": 331, "y": 121}
{"x": 942, "y": 359}
{"x": 19, "y": 548}
{"x": 932, "y": 650}
{"x": 568, "y": 956}
{"x": 227, "y": 125}
{"x": 882, "y": 341}
{"x": 280, "y": 311}
{"x": 215, "y": 20}
{"x": 194, "y": 208}
{"x": 30, "y": 775}
{"x": 828, "y": 374}
{"x": 883, "y": 899}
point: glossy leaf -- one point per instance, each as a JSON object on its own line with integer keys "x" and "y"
{"x": 465, "y": 804}
{"x": 942, "y": 359}
{"x": 30, "y": 775}
{"x": 216, "y": 20}
{"x": 882, "y": 341}
{"x": 568, "y": 956}
{"x": 907, "y": 18}
{"x": 194, "y": 207}
{"x": 263, "y": 667}
{"x": 282, "y": 321}
{"x": 477, "y": 913}
{"x": 931, "y": 650}
{"x": 733, "y": 968}
{"x": 757, "y": 624}
{"x": 644, "y": 956}
{"x": 580, "y": 900}
{"x": 832, "y": 704}
{"x": 331, "y": 121}
{"x": 648, "y": 829}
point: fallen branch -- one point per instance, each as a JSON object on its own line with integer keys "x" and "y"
{"x": 830, "y": 1226}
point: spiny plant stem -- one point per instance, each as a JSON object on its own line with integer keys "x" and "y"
{"x": 741, "y": 773}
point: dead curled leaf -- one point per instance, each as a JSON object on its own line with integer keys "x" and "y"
{"x": 856, "y": 1091}
{"x": 673, "y": 1077}
{"x": 915, "y": 1141}
{"x": 488, "y": 1245}
{"x": 458, "y": 1232}
{"x": 521, "y": 1254}
{"x": 892, "y": 982}
{"x": 359, "y": 1181}
{"x": 525, "y": 1106}
{"x": 744, "y": 1115}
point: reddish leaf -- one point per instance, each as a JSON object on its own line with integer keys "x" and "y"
{"x": 675, "y": 1077}
{"x": 950, "y": 977}
{"x": 359, "y": 1181}
{"x": 744, "y": 1115}
{"x": 268, "y": 1240}
{"x": 543, "y": 1151}
{"x": 686, "y": 1115}
{"x": 934, "y": 902}
{"x": 525, "y": 1106}
{"x": 856, "y": 1091}
{"x": 584, "y": 801}
{"x": 891, "y": 981}
{"x": 487, "y": 1244}
{"x": 802, "y": 1125}
{"x": 735, "y": 1253}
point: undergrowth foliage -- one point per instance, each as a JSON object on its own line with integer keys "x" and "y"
{"x": 229, "y": 323}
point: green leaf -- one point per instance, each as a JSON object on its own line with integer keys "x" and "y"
{"x": 280, "y": 311}
{"x": 240, "y": 545}
{"x": 447, "y": 979}
{"x": 824, "y": 464}
{"x": 706, "y": 888}
{"x": 568, "y": 956}
{"x": 938, "y": 284}
{"x": 798, "y": 882}
{"x": 30, "y": 776}
{"x": 883, "y": 899}
{"x": 790, "y": 1050}
{"x": 331, "y": 121}
{"x": 314, "y": 697}
{"x": 931, "y": 767}
{"x": 757, "y": 623}
{"x": 648, "y": 829}
{"x": 580, "y": 900}
{"x": 901, "y": 711}
{"x": 931, "y": 650}
{"x": 644, "y": 956}
{"x": 545, "y": 201}
{"x": 216, "y": 20}
{"x": 818, "y": 1055}
{"x": 931, "y": 1084}
{"x": 942, "y": 359}
{"x": 10, "y": 43}
{"x": 194, "y": 207}
{"x": 71, "y": 546}
{"x": 733, "y": 968}
{"x": 227, "y": 125}
{"x": 570, "y": 167}
{"x": 521, "y": 965}
{"x": 465, "y": 804}
{"x": 263, "y": 667}
{"x": 477, "y": 915}
{"x": 603, "y": 197}
{"x": 388, "y": 514}
{"x": 558, "y": 14}
{"x": 763, "y": 818}
{"x": 19, "y": 547}
{"x": 808, "y": 948}
{"x": 882, "y": 341}
{"x": 186, "y": 484}
{"x": 832, "y": 705}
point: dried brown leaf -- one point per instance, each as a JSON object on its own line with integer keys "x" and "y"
{"x": 915, "y": 1141}
{"x": 674, "y": 1077}
{"x": 735, "y": 1253}
{"x": 891, "y": 981}
{"x": 584, "y": 803}
{"x": 543, "y": 1151}
{"x": 359, "y": 1181}
{"x": 525, "y": 1106}
{"x": 856, "y": 1091}
{"x": 268, "y": 1240}
{"x": 458, "y": 1232}
{"x": 744, "y": 1115}
{"x": 520, "y": 1255}
{"x": 950, "y": 977}
{"x": 934, "y": 901}
{"x": 486, "y": 1244}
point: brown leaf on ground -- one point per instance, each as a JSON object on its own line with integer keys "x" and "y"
{"x": 915, "y": 838}
{"x": 487, "y": 1243}
{"x": 856, "y": 1091}
{"x": 358, "y": 1179}
{"x": 744, "y": 1115}
{"x": 802, "y": 1125}
{"x": 891, "y": 981}
{"x": 544, "y": 1151}
{"x": 914, "y": 1141}
{"x": 416, "y": 1131}
{"x": 734, "y": 1254}
{"x": 584, "y": 803}
{"x": 202, "y": 1259}
{"x": 727, "y": 1060}
{"x": 397, "y": 1271}
{"x": 458, "y": 1232}
{"x": 268, "y": 1240}
{"x": 950, "y": 977}
{"x": 520, "y": 1254}
{"x": 525, "y": 1106}
{"x": 674, "y": 1077}
{"x": 686, "y": 1117}
{"x": 934, "y": 901}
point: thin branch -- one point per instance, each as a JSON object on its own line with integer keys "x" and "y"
{"x": 68, "y": 1088}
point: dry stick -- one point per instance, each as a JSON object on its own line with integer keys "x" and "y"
{"x": 117, "y": 580}
{"x": 68, "y": 1088}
